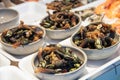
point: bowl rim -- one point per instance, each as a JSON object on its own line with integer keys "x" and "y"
{"x": 60, "y": 74}
{"x": 80, "y": 21}
{"x": 71, "y": 40}
{"x": 43, "y": 36}
{"x": 16, "y": 16}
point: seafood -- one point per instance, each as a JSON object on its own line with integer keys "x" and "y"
{"x": 95, "y": 36}
{"x": 60, "y": 20}
{"x": 110, "y": 8}
{"x": 21, "y": 35}
{"x": 56, "y": 59}
{"x": 61, "y": 5}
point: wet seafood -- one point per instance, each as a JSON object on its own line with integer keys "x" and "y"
{"x": 95, "y": 36}
{"x": 21, "y": 35}
{"x": 57, "y": 59}
{"x": 60, "y": 20}
{"x": 111, "y": 8}
{"x": 64, "y": 4}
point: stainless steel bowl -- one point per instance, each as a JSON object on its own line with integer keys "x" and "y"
{"x": 24, "y": 49}
{"x": 63, "y": 76}
{"x": 8, "y": 18}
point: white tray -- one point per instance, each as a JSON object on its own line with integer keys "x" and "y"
{"x": 32, "y": 13}
{"x": 92, "y": 67}
{"x": 14, "y": 73}
{"x": 4, "y": 61}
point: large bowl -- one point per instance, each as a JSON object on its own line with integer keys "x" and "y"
{"x": 63, "y": 76}
{"x": 98, "y": 54}
{"x": 24, "y": 49}
{"x": 63, "y": 33}
{"x": 8, "y": 19}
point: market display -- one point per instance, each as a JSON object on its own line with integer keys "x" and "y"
{"x": 84, "y": 35}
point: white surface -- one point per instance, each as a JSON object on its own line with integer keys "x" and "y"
{"x": 4, "y": 61}
{"x": 91, "y": 67}
{"x": 13, "y": 73}
{"x": 10, "y": 56}
{"x": 25, "y": 62}
{"x": 31, "y": 12}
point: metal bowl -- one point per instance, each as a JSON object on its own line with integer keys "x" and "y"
{"x": 24, "y": 49}
{"x": 98, "y": 54}
{"x": 8, "y": 18}
{"x": 63, "y": 76}
{"x": 64, "y": 33}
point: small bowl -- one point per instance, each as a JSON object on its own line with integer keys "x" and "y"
{"x": 98, "y": 54}
{"x": 72, "y": 75}
{"x": 62, "y": 33}
{"x": 24, "y": 49}
{"x": 8, "y": 19}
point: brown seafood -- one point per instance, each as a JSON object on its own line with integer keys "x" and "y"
{"x": 22, "y": 35}
{"x": 60, "y": 20}
{"x": 64, "y": 4}
{"x": 95, "y": 36}
{"x": 57, "y": 59}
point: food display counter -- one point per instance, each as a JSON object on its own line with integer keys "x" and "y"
{"x": 32, "y": 13}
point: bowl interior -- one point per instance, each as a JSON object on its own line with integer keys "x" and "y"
{"x": 80, "y": 54}
{"x": 116, "y": 40}
{"x": 7, "y": 15}
{"x": 79, "y": 22}
{"x": 43, "y": 36}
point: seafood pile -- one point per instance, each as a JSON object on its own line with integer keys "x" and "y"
{"x": 22, "y": 35}
{"x": 95, "y": 36}
{"x": 56, "y": 59}
{"x": 111, "y": 8}
{"x": 64, "y": 4}
{"x": 60, "y": 20}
